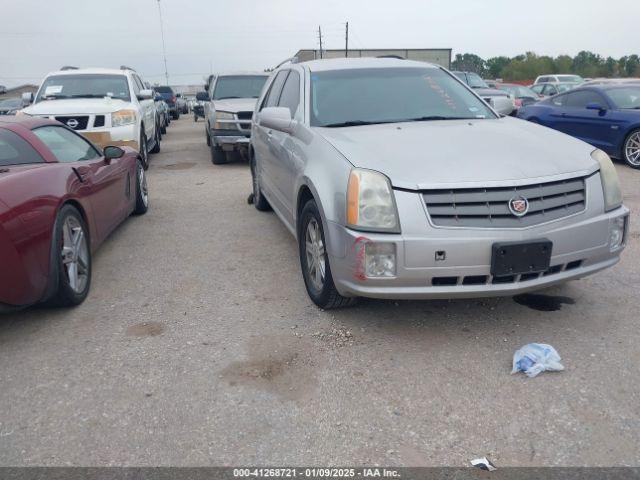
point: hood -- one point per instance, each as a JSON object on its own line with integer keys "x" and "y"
{"x": 463, "y": 153}
{"x": 76, "y": 106}
{"x": 235, "y": 105}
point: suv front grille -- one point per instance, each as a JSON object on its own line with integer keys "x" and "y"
{"x": 77, "y": 122}
{"x": 489, "y": 207}
{"x": 245, "y": 115}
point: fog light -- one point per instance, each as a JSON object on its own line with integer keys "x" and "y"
{"x": 616, "y": 235}
{"x": 380, "y": 260}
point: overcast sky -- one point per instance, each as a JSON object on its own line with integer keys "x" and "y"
{"x": 38, "y": 36}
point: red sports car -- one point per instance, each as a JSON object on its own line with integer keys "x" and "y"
{"x": 60, "y": 197}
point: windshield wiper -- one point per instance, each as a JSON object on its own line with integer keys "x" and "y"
{"x": 54, "y": 97}
{"x": 433, "y": 117}
{"x": 225, "y": 98}
{"x": 90, "y": 95}
{"x": 355, "y": 123}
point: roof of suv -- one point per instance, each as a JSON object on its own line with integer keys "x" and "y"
{"x": 91, "y": 71}
{"x": 372, "y": 62}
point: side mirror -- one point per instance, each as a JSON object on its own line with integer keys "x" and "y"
{"x": 206, "y": 87}
{"x": 595, "y": 106}
{"x": 112, "y": 152}
{"x": 27, "y": 98}
{"x": 502, "y": 105}
{"x": 277, "y": 118}
{"x": 202, "y": 96}
{"x": 145, "y": 94}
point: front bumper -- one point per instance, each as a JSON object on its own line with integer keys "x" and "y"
{"x": 230, "y": 140}
{"x": 580, "y": 248}
{"x": 125, "y": 136}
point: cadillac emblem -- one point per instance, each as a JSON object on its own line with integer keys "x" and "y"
{"x": 519, "y": 206}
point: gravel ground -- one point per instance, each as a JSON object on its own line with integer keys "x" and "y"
{"x": 199, "y": 346}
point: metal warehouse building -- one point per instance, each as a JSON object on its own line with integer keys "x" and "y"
{"x": 440, "y": 56}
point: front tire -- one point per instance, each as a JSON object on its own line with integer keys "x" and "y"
{"x": 156, "y": 147}
{"x": 142, "y": 192}
{"x": 259, "y": 201}
{"x": 314, "y": 261}
{"x": 631, "y": 149}
{"x": 144, "y": 153}
{"x": 71, "y": 258}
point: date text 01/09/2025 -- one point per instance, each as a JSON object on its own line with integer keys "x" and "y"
{"x": 316, "y": 472}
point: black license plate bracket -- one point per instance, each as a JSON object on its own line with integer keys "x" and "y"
{"x": 515, "y": 258}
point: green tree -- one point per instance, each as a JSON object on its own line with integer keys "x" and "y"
{"x": 564, "y": 64}
{"x": 469, "y": 62}
{"x": 587, "y": 64}
{"x": 496, "y": 65}
{"x": 632, "y": 66}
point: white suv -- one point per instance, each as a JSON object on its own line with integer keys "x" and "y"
{"x": 107, "y": 106}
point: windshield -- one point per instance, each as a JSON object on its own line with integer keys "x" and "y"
{"x": 385, "y": 95}
{"x": 565, "y": 87}
{"x": 519, "y": 91}
{"x": 84, "y": 86}
{"x": 627, "y": 97}
{"x": 10, "y": 103}
{"x": 475, "y": 81}
{"x": 164, "y": 90}
{"x": 239, "y": 86}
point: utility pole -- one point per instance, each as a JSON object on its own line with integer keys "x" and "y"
{"x": 346, "y": 41}
{"x": 164, "y": 50}
{"x": 319, "y": 36}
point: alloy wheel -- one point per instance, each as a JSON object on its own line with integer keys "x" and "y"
{"x": 75, "y": 254}
{"x": 315, "y": 253}
{"x": 632, "y": 149}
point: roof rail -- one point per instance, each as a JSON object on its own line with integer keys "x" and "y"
{"x": 288, "y": 60}
{"x": 68, "y": 67}
{"x": 124, "y": 67}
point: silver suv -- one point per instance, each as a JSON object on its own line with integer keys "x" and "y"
{"x": 398, "y": 181}
{"x": 229, "y": 102}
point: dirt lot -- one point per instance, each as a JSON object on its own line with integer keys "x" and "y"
{"x": 199, "y": 346}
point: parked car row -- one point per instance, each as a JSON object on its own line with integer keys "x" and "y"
{"x": 60, "y": 197}
{"x": 399, "y": 180}
{"x": 72, "y": 168}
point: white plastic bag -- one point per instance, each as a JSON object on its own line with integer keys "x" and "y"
{"x": 534, "y": 358}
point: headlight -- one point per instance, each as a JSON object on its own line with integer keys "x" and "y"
{"x": 370, "y": 202}
{"x": 123, "y": 117}
{"x": 224, "y": 125}
{"x": 610, "y": 183}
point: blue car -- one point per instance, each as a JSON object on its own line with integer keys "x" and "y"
{"x": 606, "y": 116}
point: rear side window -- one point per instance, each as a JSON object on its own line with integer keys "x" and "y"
{"x": 14, "y": 150}
{"x": 271, "y": 100}
{"x": 290, "y": 96}
{"x": 65, "y": 145}
{"x": 582, "y": 98}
